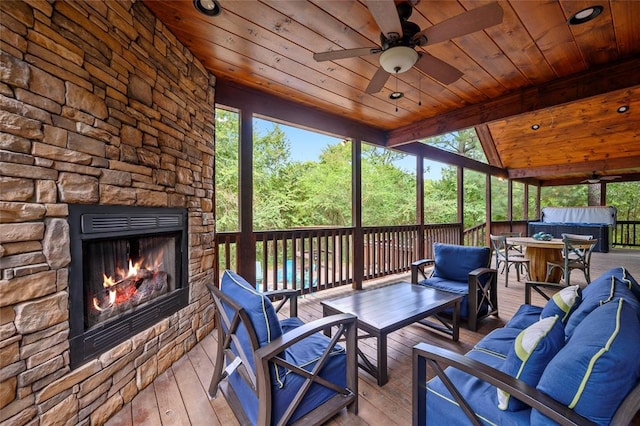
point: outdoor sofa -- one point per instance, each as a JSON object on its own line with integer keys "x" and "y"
{"x": 575, "y": 360}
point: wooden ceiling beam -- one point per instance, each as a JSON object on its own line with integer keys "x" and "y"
{"x": 610, "y": 165}
{"x": 291, "y": 113}
{"x": 488, "y": 145}
{"x": 632, "y": 177}
{"x": 594, "y": 82}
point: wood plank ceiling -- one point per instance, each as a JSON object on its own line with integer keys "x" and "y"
{"x": 533, "y": 68}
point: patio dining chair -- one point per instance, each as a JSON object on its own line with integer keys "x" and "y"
{"x": 507, "y": 258}
{"x": 280, "y": 372}
{"x": 576, "y": 254}
{"x": 517, "y": 249}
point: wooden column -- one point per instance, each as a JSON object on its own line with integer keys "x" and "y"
{"x": 460, "y": 175}
{"x": 246, "y": 249}
{"x": 420, "y": 205}
{"x": 356, "y": 209}
{"x": 487, "y": 196}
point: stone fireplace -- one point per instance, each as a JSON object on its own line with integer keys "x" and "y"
{"x": 127, "y": 272}
{"x": 103, "y": 115}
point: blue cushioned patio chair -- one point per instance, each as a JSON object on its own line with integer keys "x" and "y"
{"x": 461, "y": 270}
{"x": 280, "y": 372}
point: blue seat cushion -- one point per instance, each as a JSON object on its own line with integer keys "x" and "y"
{"x": 528, "y": 356}
{"x": 441, "y": 408}
{"x": 594, "y": 372}
{"x": 524, "y": 317}
{"x": 306, "y": 354}
{"x": 454, "y": 262}
{"x": 303, "y": 354}
{"x": 461, "y": 288}
{"x": 563, "y": 303}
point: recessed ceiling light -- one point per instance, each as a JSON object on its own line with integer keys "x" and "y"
{"x": 585, "y": 15}
{"x": 208, "y": 7}
{"x": 623, "y": 108}
{"x": 396, "y": 95}
{"x": 535, "y": 126}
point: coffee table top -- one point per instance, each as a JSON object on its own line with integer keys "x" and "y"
{"x": 392, "y": 305}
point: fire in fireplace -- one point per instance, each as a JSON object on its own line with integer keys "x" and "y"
{"x": 128, "y": 271}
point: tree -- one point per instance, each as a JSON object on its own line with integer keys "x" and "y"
{"x": 226, "y": 170}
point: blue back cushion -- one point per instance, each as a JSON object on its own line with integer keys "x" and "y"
{"x": 528, "y": 356}
{"x": 454, "y": 262}
{"x": 259, "y": 308}
{"x": 605, "y": 290}
{"x": 598, "y": 366}
{"x": 623, "y": 275}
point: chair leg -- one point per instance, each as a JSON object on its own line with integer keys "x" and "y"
{"x": 506, "y": 275}
{"x": 550, "y": 269}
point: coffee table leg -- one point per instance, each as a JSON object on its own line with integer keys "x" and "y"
{"x": 455, "y": 333}
{"x": 382, "y": 360}
{"x": 325, "y": 313}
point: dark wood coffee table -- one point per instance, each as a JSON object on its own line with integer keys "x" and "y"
{"x": 386, "y": 309}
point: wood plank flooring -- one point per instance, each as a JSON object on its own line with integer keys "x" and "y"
{"x": 178, "y": 396}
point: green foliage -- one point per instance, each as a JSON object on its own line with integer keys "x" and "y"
{"x": 226, "y": 170}
{"x": 564, "y": 196}
{"x": 289, "y": 194}
{"x": 625, "y": 196}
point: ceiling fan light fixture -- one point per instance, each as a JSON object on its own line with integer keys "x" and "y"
{"x": 207, "y": 7}
{"x": 622, "y": 109}
{"x": 585, "y": 15}
{"x": 396, "y": 95}
{"x": 398, "y": 59}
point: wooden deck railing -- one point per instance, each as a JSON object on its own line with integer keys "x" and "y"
{"x": 627, "y": 233}
{"x": 313, "y": 259}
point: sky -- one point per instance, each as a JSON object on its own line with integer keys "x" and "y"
{"x": 307, "y": 146}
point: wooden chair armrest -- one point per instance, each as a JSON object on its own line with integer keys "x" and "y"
{"x": 537, "y": 286}
{"x": 418, "y": 267}
{"x": 275, "y": 347}
{"x": 477, "y": 273}
{"x": 287, "y": 295}
{"x": 437, "y": 358}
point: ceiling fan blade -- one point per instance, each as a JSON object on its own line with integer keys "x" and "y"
{"x": 438, "y": 69}
{"x": 386, "y": 16}
{"x": 466, "y": 23}
{"x": 610, "y": 177}
{"x": 331, "y": 55}
{"x": 377, "y": 81}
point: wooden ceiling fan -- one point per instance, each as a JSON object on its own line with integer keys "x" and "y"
{"x": 596, "y": 178}
{"x": 400, "y": 37}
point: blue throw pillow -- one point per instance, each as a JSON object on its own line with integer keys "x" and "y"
{"x": 593, "y": 295}
{"x": 562, "y": 303}
{"x": 624, "y": 276}
{"x": 454, "y": 262}
{"x": 530, "y": 353}
{"x": 598, "y": 366}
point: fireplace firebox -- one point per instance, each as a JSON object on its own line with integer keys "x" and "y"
{"x": 128, "y": 271}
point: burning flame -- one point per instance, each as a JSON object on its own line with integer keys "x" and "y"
{"x": 110, "y": 283}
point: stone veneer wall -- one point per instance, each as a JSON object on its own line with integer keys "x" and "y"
{"x": 100, "y": 104}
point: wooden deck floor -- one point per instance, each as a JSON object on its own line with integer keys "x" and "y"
{"x": 178, "y": 396}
